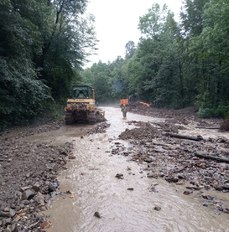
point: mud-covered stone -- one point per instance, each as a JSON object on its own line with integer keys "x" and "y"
{"x": 27, "y": 194}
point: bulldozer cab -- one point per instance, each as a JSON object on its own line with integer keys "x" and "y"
{"x": 83, "y": 92}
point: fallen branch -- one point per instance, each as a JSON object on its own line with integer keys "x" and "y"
{"x": 195, "y": 138}
{"x": 211, "y": 157}
{"x": 208, "y": 128}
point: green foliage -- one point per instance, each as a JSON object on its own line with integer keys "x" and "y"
{"x": 42, "y": 48}
{"x": 192, "y": 16}
{"x": 98, "y": 77}
{"x": 175, "y": 65}
{"x": 219, "y": 112}
{"x": 151, "y": 24}
{"x": 21, "y": 95}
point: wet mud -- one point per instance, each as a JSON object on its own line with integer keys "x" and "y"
{"x": 31, "y": 158}
{"x": 133, "y": 177}
{"x": 121, "y": 175}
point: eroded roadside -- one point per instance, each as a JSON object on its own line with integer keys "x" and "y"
{"x": 31, "y": 158}
{"x": 180, "y": 156}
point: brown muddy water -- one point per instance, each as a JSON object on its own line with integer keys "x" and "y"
{"x": 91, "y": 180}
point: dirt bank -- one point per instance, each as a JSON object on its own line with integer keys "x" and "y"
{"x": 28, "y": 175}
{"x": 168, "y": 151}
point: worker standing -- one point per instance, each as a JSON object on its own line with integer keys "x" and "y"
{"x": 124, "y": 110}
{"x": 123, "y": 105}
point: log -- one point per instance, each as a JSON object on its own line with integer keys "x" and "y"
{"x": 194, "y": 138}
{"x": 208, "y": 128}
{"x": 212, "y": 157}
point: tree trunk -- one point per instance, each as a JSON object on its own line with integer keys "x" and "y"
{"x": 211, "y": 157}
{"x": 194, "y": 138}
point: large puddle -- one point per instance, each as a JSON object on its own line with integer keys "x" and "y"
{"x": 91, "y": 179}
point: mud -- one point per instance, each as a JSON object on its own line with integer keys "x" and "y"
{"x": 174, "y": 159}
{"x": 117, "y": 186}
{"x": 28, "y": 174}
{"x": 122, "y": 175}
{"x": 100, "y": 128}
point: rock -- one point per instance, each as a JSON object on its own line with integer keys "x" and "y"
{"x": 18, "y": 194}
{"x": 226, "y": 210}
{"x": 39, "y": 199}
{"x": 171, "y": 179}
{"x": 119, "y": 176}
{"x": 28, "y": 175}
{"x": 53, "y": 186}
{"x": 64, "y": 153}
{"x": 71, "y": 157}
{"x": 27, "y": 194}
{"x": 25, "y": 188}
{"x": 162, "y": 174}
{"x": 14, "y": 228}
{"x": 193, "y": 188}
{"x": 7, "y": 214}
{"x": 45, "y": 225}
{"x": 153, "y": 189}
{"x": 205, "y": 204}
{"x": 6, "y": 209}
{"x": 4, "y": 214}
{"x": 36, "y": 187}
{"x": 6, "y": 221}
{"x": 208, "y": 197}
{"x": 152, "y": 175}
{"x": 187, "y": 192}
{"x": 97, "y": 214}
{"x": 157, "y": 208}
{"x": 12, "y": 213}
{"x": 148, "y": 160}
{"x": 26, "y": 202}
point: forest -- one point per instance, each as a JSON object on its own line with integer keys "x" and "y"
{"x": 175, "y": 64}
{"x": 44, "y": 45}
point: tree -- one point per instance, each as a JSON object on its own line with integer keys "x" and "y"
{"x": 151, "y": 24}
{"x": 192, "y": 16}
{"x": 42, "y": 45}
{"x": 130, "y": 49}
{"x": 212, "y": 49}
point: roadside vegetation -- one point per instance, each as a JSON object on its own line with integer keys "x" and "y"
{"x": 174, "y": 65}
{"x": 42, "y": 49}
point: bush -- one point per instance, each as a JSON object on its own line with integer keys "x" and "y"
{"x": 220, "y": 112}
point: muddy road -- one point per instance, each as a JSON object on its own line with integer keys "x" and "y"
{"x": 121, "y": 175}
{"x": 108, "y": 191}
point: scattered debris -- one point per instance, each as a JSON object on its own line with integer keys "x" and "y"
{"x": 29, "y": 171}
{"x": 99, "y": 128}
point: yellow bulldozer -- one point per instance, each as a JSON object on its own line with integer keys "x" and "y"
{"x": 82, "y": 106}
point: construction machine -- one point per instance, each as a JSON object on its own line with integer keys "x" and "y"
{"x": 82, "y": 106}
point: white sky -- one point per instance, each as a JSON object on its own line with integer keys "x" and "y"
{"x": 116, "y": 23}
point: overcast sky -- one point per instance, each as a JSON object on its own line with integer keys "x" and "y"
{"x": 116, "y": 23}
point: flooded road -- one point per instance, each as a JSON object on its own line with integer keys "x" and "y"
{"x": 91, "y": 180}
